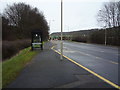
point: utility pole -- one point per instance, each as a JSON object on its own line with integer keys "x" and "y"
{"x": 61, "y": 57}
{"x": 49, "y": 24}
{"x": 68, "y": 34}
{"x": 105, "y": 37}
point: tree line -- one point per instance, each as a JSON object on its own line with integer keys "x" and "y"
{"x": 19, "y": 19}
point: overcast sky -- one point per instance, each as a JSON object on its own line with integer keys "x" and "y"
{"x": 77, "y": 14}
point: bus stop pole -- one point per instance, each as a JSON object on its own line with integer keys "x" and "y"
{"x": 61, "y": 57}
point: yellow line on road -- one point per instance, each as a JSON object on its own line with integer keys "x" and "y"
{"x": 102, "y": 78}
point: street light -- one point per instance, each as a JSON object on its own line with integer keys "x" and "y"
{"x": 67, "y": 28}
{"x": 105, "y": 30}
{"x": 68, "y": 36}
{"x": 61, "y": 57}
{"x": 49, "y": 24}
{"x": 105, "y": 35}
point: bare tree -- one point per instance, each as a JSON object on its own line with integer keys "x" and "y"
{"x": 25, "y": 18}
{"x": 118, "y": 14}
{"x": 109, "y": 15}
{"x": 16, "y": 12}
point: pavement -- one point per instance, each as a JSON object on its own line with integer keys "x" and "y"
{"x": 46, "y": 70}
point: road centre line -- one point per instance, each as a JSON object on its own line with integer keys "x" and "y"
{"x": 110, "y": 61}
{"x": 89, "y": 49}
{"x": 113, "y": 62}
{"x": 99, "y": 58}
{"x": 102, "y": 78}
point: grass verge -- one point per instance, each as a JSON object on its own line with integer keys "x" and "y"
{"x": 12, "y": 67}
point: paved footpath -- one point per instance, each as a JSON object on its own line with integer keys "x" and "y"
{"x": 46, "y": 70}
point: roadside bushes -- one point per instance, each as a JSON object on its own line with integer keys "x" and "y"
{"x": 80, "y": 38}
{"x": 10, "y": 48}
{"x": 112, "y": 36}
{"x": 98, "y": 37}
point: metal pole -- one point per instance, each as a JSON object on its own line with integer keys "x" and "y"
{"x": 50, "y": 26}
{"x": 105, "y": 37}
{"x": 61, "y": 57}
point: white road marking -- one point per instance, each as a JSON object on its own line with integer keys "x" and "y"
{"x": 99, "y": 58}
{"x": 72, "y": 51}
{"x": 113, "y": 62}
{"x": 102, "y": 50}
{"x": 96, "y": 57}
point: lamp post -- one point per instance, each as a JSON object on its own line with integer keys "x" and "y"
{"x": 105, "y": 36}
{"x": 50, "y": 22}
{"x": 67, "y": 28}
{"x": 105, "y": 30}
{"x": 61, "y": 57}
{"x": 68, "y": 36}
{"x": 49, "y": 25}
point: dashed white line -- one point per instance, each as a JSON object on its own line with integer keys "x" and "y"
{"x": 92, "y": 56}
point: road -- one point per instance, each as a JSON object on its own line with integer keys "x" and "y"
{"x": 101, "y": 59}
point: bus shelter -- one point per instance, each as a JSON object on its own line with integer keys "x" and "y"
{"x": 36, "y": 39}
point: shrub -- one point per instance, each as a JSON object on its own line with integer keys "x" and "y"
{"x": 79, "y": 39}
{"x": 98, "y": 37}
{"x": 10, "y": 48}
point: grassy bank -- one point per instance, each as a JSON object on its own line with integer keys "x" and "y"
{"x": 12, "y": 67}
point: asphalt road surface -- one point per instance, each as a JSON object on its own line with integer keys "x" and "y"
{"x": 101, "y": 59}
